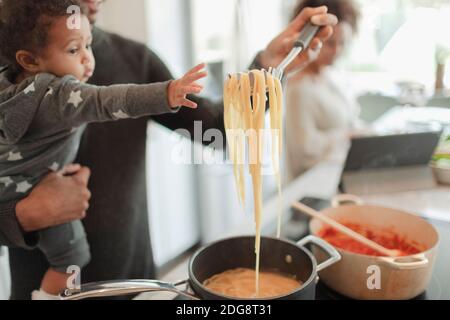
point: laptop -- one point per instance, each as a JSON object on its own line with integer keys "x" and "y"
{"x": 390, "y": 163}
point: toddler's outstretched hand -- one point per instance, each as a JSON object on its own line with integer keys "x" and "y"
{"x": 179, "y": 89}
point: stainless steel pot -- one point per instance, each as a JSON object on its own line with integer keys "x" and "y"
{"x": 355, "y": 276}
{"x": 283, "y": 256}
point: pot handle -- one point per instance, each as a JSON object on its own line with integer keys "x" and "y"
{"x": 396, "y": 263}
{"x": 124, "y": 287}
{"x": 328, "y": 248}
{"x": 339, "y": 199}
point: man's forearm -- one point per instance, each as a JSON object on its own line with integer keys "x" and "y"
{"x": 24, "y": 215}
{"x": 11, "y": 231}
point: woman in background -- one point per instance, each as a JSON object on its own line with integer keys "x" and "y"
{"x": 320, "y": 112}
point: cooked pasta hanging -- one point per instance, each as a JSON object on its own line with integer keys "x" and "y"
{"x": 244, "y": 111}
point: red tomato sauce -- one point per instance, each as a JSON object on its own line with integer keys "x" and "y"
{"x": 387, "y": 239}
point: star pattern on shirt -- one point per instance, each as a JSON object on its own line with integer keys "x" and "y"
{"x": 6, "y": 181}
{"x": 30, "y": 88}
{"x": 14, "y": 156}
{"x": 75, "y": 98}
{"x": 49, "y": 91}
{"x": 120, "y": 115}
{"x": 74, "y": 80}
{"x": 54, "y": 167}
{"x": 23, "y": 187}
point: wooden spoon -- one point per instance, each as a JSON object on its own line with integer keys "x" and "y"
{"x": 347, "y": 231}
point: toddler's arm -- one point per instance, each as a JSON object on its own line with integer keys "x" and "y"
{"x": 74, "y": 103}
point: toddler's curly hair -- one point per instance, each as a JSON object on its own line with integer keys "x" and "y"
{"x": 25, "y": 24}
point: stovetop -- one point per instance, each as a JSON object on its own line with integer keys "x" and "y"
{"x": 439, "y": 287}
{"x": 434, "y": 292}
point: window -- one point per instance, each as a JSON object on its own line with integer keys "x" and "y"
{"x": 399, "y": 41}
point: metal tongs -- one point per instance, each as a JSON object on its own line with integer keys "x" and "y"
{"x": 306, "y": 36}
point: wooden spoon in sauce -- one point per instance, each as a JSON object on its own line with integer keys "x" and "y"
{"x": 347, "y": 231}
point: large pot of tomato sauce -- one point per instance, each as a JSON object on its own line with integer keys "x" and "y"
{"x": 363, "y": 273}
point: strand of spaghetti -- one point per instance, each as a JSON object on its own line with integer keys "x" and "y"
{"x": 279, "y": 93}
{"x": 279, "y": 115}
{"x": 246, "y": 116}
{"x": 279, "y": 90}
{"x": 229, "y": 102}
{"x": 254, "y": 172}
{"x": 259, "y": 103}
{"x": 275, "y": 103}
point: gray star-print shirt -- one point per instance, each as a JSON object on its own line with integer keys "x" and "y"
{"x": 42, "y": 119}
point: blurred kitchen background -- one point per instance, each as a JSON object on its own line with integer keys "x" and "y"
{"x": 400, "y": 57}
{"x": 394, "y": 61}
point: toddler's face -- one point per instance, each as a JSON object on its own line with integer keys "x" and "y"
{"x": 69, "y": 51}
